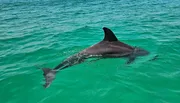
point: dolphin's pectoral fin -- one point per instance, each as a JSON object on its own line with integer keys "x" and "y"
{"x": 49, "y": 76}
{"x": 130, "y": 59}
{"x": 132, "y": 56}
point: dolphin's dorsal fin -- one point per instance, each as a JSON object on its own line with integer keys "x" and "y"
{"x": 109, "y": 35}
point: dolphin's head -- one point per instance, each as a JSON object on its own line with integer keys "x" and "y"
{"x": 141, "y": 52}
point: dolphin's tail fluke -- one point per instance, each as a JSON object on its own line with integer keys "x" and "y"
{"x": 49, "y": 75}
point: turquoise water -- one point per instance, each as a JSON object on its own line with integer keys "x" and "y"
{"x": 42, "y": 33}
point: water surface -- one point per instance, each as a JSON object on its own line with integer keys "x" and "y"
{"x": 43, "y": 33}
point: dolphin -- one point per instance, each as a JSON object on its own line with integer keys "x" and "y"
{"x": 109, "y": 47}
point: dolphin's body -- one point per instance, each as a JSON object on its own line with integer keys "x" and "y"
{"x": 109, "y": 47}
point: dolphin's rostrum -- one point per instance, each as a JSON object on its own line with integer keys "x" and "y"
{"x": 109, "y": 47}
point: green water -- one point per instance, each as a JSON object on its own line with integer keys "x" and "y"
{"x": 43, "y": 33}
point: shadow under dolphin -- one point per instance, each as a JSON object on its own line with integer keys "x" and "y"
{"x": 109, "y": 47}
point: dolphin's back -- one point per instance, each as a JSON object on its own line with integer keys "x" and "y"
{"x": 109, "y": 45}
{"x": 105, "y": 47}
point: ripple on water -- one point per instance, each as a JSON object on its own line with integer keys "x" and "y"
{"x": 42, "y": 33}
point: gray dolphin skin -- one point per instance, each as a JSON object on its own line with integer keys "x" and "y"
{"x": 109, "y": 47}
